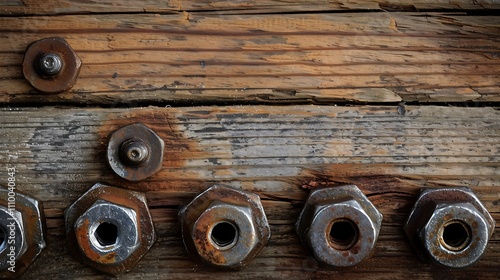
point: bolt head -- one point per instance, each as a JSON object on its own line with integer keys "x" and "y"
{"x": 244, "y": 217}
{"x": 339, "y": 225}
{"x": 123, "y": 210}
{"x": 49, "y": 64}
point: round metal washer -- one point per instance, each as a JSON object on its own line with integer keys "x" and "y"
{"x": 66, "y": 77}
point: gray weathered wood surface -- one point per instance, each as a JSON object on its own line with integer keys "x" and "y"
{"x": 277, "y": 152}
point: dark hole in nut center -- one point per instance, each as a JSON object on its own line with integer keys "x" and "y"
{"x": 3, "y": 238}
{"x": 456, "y": 235}
{"x": 106, "y": 234}
{"x": 224, "y": 235}
{"x": 343, "y": 234}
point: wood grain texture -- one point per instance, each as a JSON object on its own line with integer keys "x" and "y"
{"x": 278, "y": 153}
{"x": 308, "y": 57}
{"x": 51, "y": 7}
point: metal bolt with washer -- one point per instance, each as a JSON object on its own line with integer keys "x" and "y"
{"x": 135, "y": 152}
{"x": 51, "y": 66}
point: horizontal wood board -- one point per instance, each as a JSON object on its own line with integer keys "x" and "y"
{"x": 279, "y": 153}
{"x": 321, "y": 58}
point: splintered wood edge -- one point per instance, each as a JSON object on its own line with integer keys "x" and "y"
{"x": 280, "y": 153}
{"x": 18, "y": 7}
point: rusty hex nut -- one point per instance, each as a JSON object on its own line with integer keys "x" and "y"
{"x": 339, "y": 225}
{"x": 50, "y": 65}
{"x": 449, "y": 226}
{"x": 224, "y": 227}
{"x": 135, "y": 152}
{"x": 22, "y": 232}
{"x": 110, "y": 228}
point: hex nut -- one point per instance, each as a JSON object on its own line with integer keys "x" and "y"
{"x": 24, "y": 222}
{"x": 51, "y": 66}
{"x": 135, "y": 152}
{"x": 110, "y": 229}
{"x": 11, "y": 224}
{"x": 339, "y": 225}
{"x": 102, "y": 222}
{"x": 224, "y": 227}
{"x": 449, "y": 226}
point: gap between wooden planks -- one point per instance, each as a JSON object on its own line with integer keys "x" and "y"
{"x": 51, "y": 7}
{"x": 277, "y": 152}
{"x": 309, "y": 58}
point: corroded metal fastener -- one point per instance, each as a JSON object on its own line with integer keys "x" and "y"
{"x": 22, "y": 232}
{"x": 449, "y": 226}
{"x": 224, "y": 227}
{"x": 51, "y": 65}
{"x": 110, "y": 228}
{"x": 135, "y": 152}
{"x": 339, "y": 225}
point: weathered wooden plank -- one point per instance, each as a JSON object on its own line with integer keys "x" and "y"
{"x": 277, "y": 152}
{"x": 319, "y": 57}
{"x": 19, "y": 7}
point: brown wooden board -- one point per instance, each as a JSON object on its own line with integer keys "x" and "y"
{"x": 200, "y": 58}
{"x": 278, "y": 152}
{"x": 30, "y": 7}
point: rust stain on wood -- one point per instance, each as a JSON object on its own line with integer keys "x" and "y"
{"x": 178, "y": 148}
